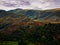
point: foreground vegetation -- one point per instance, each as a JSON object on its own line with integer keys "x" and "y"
{"x": 32, "y": 34}
{"x": 8, "y": 43}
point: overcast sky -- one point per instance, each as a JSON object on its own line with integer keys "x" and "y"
{"x": 29, "y": 4}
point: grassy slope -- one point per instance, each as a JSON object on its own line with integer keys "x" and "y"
{"x": 8, "y": 43}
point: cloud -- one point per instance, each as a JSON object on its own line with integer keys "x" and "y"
{"x": 29, "y": 4}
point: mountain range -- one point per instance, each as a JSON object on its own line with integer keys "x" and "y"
{"x": 48, "y": 15}
{"x": 15, "y": 19}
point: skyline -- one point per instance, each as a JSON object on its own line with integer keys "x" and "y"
{"x": 29, "y": 4}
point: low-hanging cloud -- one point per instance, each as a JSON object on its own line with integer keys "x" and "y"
{"x": 29, "y": 4}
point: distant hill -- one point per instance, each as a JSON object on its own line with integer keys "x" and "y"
{"x": 29, "y": 13}
{"x": 4, "y": 13}
{"x": 51, "y": 14}
{"x": 6, "y": 17}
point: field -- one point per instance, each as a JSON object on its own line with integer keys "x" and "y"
{"x": 12, "y": 43}
{"x": 8, "y": 43}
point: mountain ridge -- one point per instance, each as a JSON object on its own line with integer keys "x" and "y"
{"x": 33, "y": 14}
{"x": 39, "y": 14}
